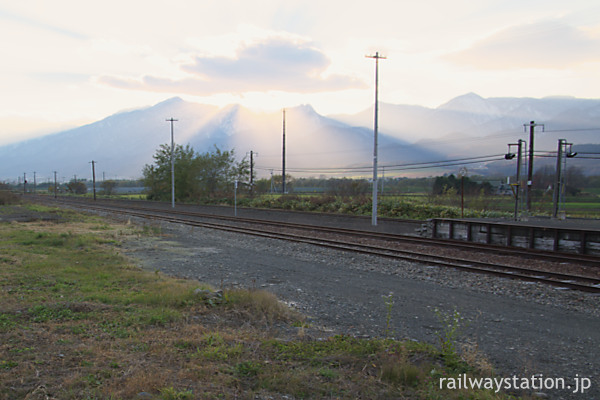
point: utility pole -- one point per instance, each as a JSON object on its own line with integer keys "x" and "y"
{"x": 283, "y": 158}
{"x": 172, "y": 164}
{"x": 252, "y": 172}
{"x": 559, "y": 181}
{"x": 94, "y": 177}
{"x": 375, "y": 127}
{"x": 532, "y": 126}
{"x": 518, "y": 185}
{"x": 55, "y": 188}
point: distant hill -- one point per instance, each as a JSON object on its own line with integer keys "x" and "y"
{"x": 467, "y": 126}
{"x": 123, "y": 143}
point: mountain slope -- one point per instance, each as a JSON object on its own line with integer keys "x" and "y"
{"x": 123, "y": 143}
{"x": 467, "y": 126}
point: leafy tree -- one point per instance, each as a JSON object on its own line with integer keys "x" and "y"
{"x": 196, "y": 175}
{"x": 77, "y": 187}
{"x": 108, "y": 186}
{"x": 157, "y": 177}
{"x": 449, "y": 184}
{"x": 218, "y": 170}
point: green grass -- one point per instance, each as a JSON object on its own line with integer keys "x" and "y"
{"x": 79, "y": 321}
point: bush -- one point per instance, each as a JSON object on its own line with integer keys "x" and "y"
{"x": 7, "y": 198}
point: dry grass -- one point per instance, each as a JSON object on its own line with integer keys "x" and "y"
{"x": 78, "y": 321}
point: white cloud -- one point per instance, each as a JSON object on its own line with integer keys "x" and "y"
{"x": 276, "y": 63}
{"x": 543, "y": 45}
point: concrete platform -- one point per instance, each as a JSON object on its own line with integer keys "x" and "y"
{"x": 578, "y": 236}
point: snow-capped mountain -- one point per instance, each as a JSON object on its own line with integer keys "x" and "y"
{"x": 123, "y": 143}
{"x": 466, "y": 126}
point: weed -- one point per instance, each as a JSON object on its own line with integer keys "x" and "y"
{"x": 117, "y": 331}
{"x": 247, "y": 368}
{"x": 452, "y": 323}
{"x": 43, "y": 313}
{"x": 7, "y": 322}
{"x": 7, "y": 364}
{"x": 389, "y": 306}
{"x": 260, "y": 304}
{"x": 328, "y": 373}
{"x": 171, "y": 393}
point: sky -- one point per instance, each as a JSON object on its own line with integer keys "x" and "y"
{"x": 70, "y": 62}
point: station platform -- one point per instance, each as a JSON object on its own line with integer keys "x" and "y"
{"x": 579, "y": 236}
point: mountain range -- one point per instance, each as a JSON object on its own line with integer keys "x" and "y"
{"x": 468, "y": 126}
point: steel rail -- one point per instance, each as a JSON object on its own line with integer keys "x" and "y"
{"x": 552, "y": 278}
{"x": 589, "y": 260}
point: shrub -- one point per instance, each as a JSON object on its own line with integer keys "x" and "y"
{"x": 7, "y": 198}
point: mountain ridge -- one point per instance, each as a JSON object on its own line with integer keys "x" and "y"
{"x": 466, "y": 125}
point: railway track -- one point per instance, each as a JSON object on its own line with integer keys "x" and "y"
{"x": 354, "y": 240}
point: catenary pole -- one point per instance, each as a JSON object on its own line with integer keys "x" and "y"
{"x": 557, "y": 179}
{"x": 519, "y": 186}
{"x": 532, "y": 126}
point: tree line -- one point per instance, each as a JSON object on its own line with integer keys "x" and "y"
{"x": 211, "y": 175}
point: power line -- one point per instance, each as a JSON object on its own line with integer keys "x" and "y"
{"x": 400, "y": 167}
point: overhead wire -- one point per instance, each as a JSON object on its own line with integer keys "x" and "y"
{"x": 396, "y": 167}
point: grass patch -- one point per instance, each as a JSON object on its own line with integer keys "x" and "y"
{"x": 79, "y": 321}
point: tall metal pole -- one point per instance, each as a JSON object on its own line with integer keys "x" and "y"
{"x": 172, "y": 164}
{"x": 283, "y": 157}
{"x": 519, "y": 155}
{"x": 94, "y": 177}
{"x": 532, "y": 126}
{"x": 375, "y": 128}
{"x": 252, "y": 154}
{"x": 557, "y": 178}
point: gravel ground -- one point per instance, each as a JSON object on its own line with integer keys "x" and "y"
{"x": 522, "y": 329}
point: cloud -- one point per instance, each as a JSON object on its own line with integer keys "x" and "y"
{"x": 546, "y": 45}
{"x": 276, "y": 64}
{"x": 4, "y": 14}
